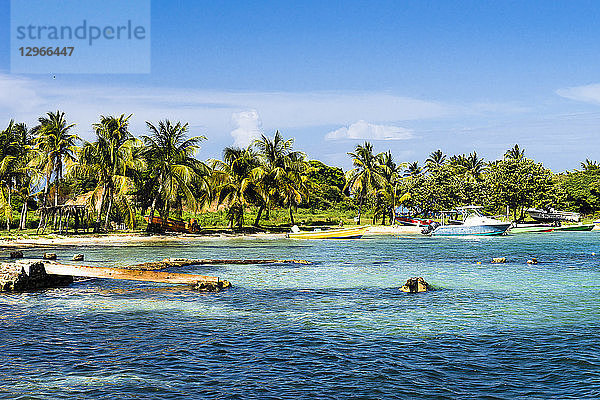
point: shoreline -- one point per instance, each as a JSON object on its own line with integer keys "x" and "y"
{"x": 142, "y": 238}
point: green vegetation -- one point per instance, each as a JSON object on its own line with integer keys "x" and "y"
{"x": 268, "y": 185}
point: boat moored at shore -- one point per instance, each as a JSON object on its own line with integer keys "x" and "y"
{"x": 339, "y": 233}
{"x": 474, "y": 223}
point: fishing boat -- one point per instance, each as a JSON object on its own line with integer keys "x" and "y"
{"x": 473, "y": 223}
{"x": 339, "y": 233}
{"x": 574, "y": 227}
{"x": 175, "y": 225}
{"x": 531, "y": 228}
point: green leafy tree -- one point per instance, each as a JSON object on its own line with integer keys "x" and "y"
{"x": 519, "y": 183}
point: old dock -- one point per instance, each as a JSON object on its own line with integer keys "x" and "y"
{"x": 26, "y": 275}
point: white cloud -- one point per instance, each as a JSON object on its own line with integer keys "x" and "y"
{"x": 248, "y": 127}
{"x": 586, "y": 93}
{"x": 208, "y": 112}
{"x": 365, "y": 130}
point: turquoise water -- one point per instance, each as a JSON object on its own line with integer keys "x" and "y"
{"x": 338, "y": 328}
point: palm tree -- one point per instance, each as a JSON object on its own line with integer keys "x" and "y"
{"x": 515, "y": 153}
{"x": 281, "y": 176}
{"x": 11, "y": 157}
{"x": 172, "y": 167}
{"x": 233, "y": 181}
{"x": 391, "y": 173}
{"x": 366, "y": 178}
{"x": 413, "y": 169}
{"x": 26, "y": 176}
{"x": 436, "y": 159}
{"x": 590, "y": 165}
{"x": 110, "y": 161}
{"x": 475, "y": 167}
{"x": 54, "y": 145}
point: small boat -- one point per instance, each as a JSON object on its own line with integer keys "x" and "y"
{"x": 175, "y": 225}
{"x": 574, "y": 227}
{"x": 338, "y": 233}
{"x": 531, "y": 228}
{"x": 413, "y": 221}
{"x": 473, "y": 223}
{"x": 552, "y": 215}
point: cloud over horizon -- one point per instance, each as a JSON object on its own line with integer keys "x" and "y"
{"x": 209, "y": 112}
{"x": 248, "y": 128}
{"x": 364, "y": 130}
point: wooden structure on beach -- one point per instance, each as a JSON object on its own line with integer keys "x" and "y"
{"x": 60, "y": 215}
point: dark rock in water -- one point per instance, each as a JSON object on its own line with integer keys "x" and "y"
{"x": 414, "y": 285}
{"x": 49, "y": 256}
{"x": 211, "y": 286}
{"x": 532, "y": 261}
{"x": 22, "y": 276}
{"x": 78, "y": 257}
{"x": 499, "y": 260}
{"x": 16, "y": 254}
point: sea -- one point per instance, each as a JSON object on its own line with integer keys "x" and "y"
{"x": 338, "y": 328}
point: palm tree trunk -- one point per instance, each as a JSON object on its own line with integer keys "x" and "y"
{"x": 56, "y": 182}
{"x": 9, "y": 217}
{"x": 102, "y": 201}
{"x": 359, "y": 208}
{"x": 107, "y": 220}
{"x": 23, "y": 220}
{"x": 260, "y": 210}
{"x": 152, "y": 210}
{"x": 291, "y": 217}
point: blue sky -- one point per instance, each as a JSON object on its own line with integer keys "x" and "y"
{"x": 411, "y": 76}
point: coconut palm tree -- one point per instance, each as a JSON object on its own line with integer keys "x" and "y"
{"x": 54, "y": 146}
{"x": 475, "y": 167}
{"x": 233, "y": 181}
{"x": 413, "y": 169}
{"x": 435, "y": 160}
{"x": 172, "y": 168}
{"x": 391, "y": 173}
{"x": 515, "y": 153}
{"x": 111, "y": 161}
{"x": 10, "y": 165}
{"x": 366, "y": 177}
{"x": 281, "y": 176}
{"x": 26, "y": 177}
{"x": 589, "y": 165}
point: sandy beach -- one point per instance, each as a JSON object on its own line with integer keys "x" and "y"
{"x": 132, "y": 239}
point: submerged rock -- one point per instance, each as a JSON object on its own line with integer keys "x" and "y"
{"x": 16, "y": 254}
{"x": 211, "y": 286}
{"x": 532, "y": 261}
{"x": 78, "y": 257}
{"x": 414, "y": 285}
{"x": 499, "y": 260}
{"x": 49, "y": 256}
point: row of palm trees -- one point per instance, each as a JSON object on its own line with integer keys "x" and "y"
{"x": 379, "y": 180}
{"x": 158, "y": 172}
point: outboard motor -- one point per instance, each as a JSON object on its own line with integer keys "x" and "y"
{"x": 430, "y": 228}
